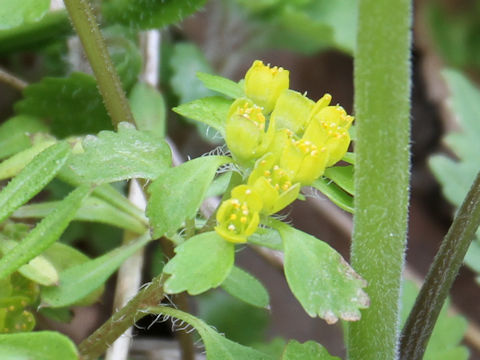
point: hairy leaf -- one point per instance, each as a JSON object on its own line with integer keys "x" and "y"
{"x": 339, "y": 197}
{"x": 456, "y": 177}
{"x": 93, "y": 209}
{"x": 40, "y": 345}
{"x": 72, "y": 106}
{"x": 213, "y": 258}
{"x": 13, "y": 13}
{"x": 212, "y": 111}
{"x": 45, "y": 233}
{"x": 221, "y": 85}
{"x": 148, "y": 108}
{"x": 78, "y": 281}
{"x": 16, "y": 132}
{"x": 320, "y": 278}
{"x": 246, "y": 287}
{"x": 33, "y": 178}
{"x": 149, "y": 14}
{"x": 342, "y": 176}
{"x": 308, "y": 350}
{"x": 113, "y": 156}
{"x": 216, "y": 345}
{"x": 178, "y": 193}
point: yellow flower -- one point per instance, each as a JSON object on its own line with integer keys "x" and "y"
{"x": 328, "y": 128}
{"x": 292, "y": 111}
{"x": 245, "y": 131}
{"x": 273, "y": 183}
{"x": 238, "y": 217}
{"x": 264, "y": 84}
{"x": 304, "y": 160}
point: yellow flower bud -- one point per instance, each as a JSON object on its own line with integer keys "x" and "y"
{"x": 274, "y": 184}
{"x": 245, "y": 132}
{"x": 292, "y": 111}
{"x": 328, "y": 128}
{"x": 264, "y": 84}
{"x": 238, "y": 217}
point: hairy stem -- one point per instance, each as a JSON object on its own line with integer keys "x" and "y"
{"x": 441, "y": 275}
{"x": 98, "y": 342}
{"x": 382, "y": 110}
{"x": 109, "y": 84}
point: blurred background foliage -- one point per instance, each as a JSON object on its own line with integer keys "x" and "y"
{"x": 315, "y": 39}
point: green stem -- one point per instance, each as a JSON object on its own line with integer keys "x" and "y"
{"x": 108, "y": 81}
{"x": 382, "y": 110}
{"x": 441, "y": 275}
{"x": 98, "y": 342}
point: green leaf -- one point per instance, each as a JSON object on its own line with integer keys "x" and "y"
{"x": 211, "y": 110}
{"x": 93, "y": 209}
{"x": 456, "y": 176}
{"x": 40, "y": 345}
{"x": 13, "y": 165}
{"x": 149, "y": 14}
{"x": 16, "y": 132}
{"x": 221, "y": 85}
{"x": 296, "y": 24}
{"x": 39, "y": 269}
{"x": 246, "y": 287}
{"x": 308, "y": 350}
{"x": 73, "y": 105}
{"x": 217, "y": 346}
{"x": 45, "y": 233}
{"x": 321, "y": 280}
{"x": 237, "y": 320}
{"x": 447, "y": 335}
{"x": 148, "y": 108}
{"x": 465, "y": 103}
{"x": 201, "y": 263}
{"x": 126, "y": 55}
{"x": 13, "y": 14}
{"x": 52, "y": 27}
{"x": 78, "y": 281}
{"x": 335, "y": 194}
{"x": 178, "y": 193}
{"x": 114, "y": 156}
{"x": 33, "y": 178}
{"x": 186, "y": 62}
{"x": 64, "y": 257}
{"x": 267, "y": 237}
{"x": 219, "y": 185}
{"x": 342, "y": 176}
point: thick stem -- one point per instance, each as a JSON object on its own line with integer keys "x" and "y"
{"x": 108, "y": 81}
{"x": 98, "y": 342}
{"x": 382, "y": 110}
{"x": 441, "y": 275}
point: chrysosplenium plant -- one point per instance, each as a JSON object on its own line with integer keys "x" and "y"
{"x": 282, "y": 140}
{"x": 281, "y": 143}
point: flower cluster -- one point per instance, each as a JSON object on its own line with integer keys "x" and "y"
{"x": 284, "y": 140}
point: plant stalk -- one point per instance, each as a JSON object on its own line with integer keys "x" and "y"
{"x": 382, "y": 171}
{"x": 97, "y": 343}
{"x": 440, "y": 277}
{"x": 109, "y": 84}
